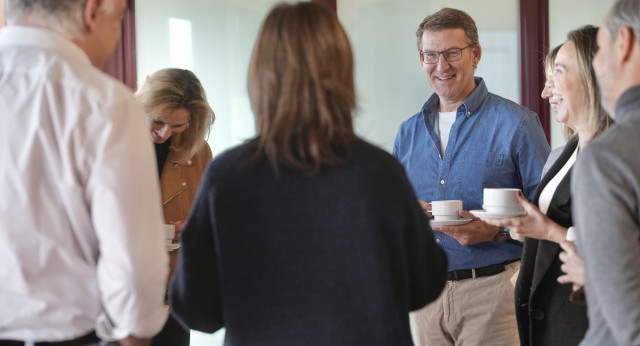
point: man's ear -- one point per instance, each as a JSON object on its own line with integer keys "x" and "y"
{"x": 476, "y": 54}
{"x": 624, "y": 44}
{"x": 91, "y": 14}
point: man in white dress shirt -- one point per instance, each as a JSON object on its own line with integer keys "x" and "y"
{"x": 81, "y": 241}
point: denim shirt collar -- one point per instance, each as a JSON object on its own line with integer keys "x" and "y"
{"x": 628, "y": 105}
{"x": 468, "y": 107}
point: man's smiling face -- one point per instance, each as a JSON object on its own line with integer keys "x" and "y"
{"x": 452, "y": 81}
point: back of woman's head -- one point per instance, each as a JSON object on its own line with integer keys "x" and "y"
{"x": 170, "y": 89}
{"x": 584, "y": 39}
{"x": 301, "y": 87}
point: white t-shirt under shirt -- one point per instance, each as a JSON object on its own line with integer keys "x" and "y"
{"x": 444, "y": 125}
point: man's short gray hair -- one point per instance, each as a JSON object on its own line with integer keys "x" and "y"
{"x": 624, "y": 13}
{"x": 63, "y": 16}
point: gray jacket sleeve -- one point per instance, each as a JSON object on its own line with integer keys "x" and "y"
{"x": 605, "y": 186}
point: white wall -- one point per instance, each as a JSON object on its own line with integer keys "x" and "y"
{"x": 223, "y": 35}
{"x": 389, "y": 82}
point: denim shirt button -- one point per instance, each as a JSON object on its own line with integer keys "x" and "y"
{"x": 442, "y": 182}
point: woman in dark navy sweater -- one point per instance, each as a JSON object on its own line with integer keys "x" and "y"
{"x": 306, "y": 235}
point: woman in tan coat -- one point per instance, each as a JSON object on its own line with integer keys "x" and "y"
{"x": 179, "y": 119}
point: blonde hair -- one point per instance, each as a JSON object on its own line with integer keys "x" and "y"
{"x": 584, "y": 39}
{"x": 301, "y": 88}
{"x": 550, "y": 59}
{"x": 170, "y": 89}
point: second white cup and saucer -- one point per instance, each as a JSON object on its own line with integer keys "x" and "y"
{"x": 499, "y": 204}
{"x": 445, "y": 213}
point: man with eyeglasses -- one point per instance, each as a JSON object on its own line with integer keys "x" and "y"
{"x": 465, "y": 139}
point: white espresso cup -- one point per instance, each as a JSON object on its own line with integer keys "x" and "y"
{"x": 571, "y": 234}
{"x": 446, "y": 210}
{"x": 169, "y": 232}
{"x": 501, "y": 201}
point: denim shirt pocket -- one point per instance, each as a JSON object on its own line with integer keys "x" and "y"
{"x": 480, "y": 169}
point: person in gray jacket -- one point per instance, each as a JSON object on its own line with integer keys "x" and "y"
{"x": 606, "y": 186}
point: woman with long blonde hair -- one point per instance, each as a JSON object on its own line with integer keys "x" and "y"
{"x": 179, "y": 119}
{"x": 544, "y": 313}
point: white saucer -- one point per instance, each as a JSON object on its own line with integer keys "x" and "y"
{"x": 458, "y": 222}
{"x": 172, "y": 247}
{"x": 486, "y": 215}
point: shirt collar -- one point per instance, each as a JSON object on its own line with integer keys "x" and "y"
{"x": 628, "y": 105}
{"x": 471, "y": 102}
{"x": 32, "y": 36}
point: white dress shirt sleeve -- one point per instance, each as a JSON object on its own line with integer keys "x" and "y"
{"x": 126, "y": 213}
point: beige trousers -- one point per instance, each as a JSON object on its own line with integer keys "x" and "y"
{"x": 477, "y": 311}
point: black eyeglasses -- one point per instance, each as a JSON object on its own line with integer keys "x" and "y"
{"x": 450, "y": 55}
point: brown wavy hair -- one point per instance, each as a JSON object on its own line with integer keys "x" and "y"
{"x": 169, "y": 89}
{"x": 301, "y": 88}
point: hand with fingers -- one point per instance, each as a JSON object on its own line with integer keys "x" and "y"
{"x": 514, "y": 278}
{"x": 534, "y": 224}
{"x": 426, "y": 206}
{"x": 572, "y": 266}
{"x": 474, "y": 232}
{"x": 134, "y": 341}
{"x": 179, "y": 227}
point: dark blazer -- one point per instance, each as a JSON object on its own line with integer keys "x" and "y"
{"x": 543, "y": 311}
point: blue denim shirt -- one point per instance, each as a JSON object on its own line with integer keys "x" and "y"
{"x": 493, "y": 142}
